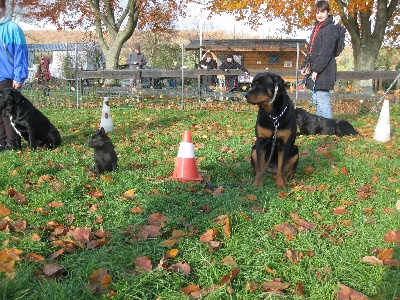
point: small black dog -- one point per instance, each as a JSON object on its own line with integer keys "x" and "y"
{"x": 28, "y": 121}
{"x": 275, "y": 129}
{"x": 310, "y": 124}
{"x": 105, "y": 158}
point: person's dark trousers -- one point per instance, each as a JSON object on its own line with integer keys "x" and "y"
{"x": 7, "y": 132}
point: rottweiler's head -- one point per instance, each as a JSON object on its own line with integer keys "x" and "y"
{"x": 8, "y": 97}
{"x": 265, "y": 88}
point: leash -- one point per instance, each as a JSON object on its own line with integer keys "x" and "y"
{"x": 312, "y": 96}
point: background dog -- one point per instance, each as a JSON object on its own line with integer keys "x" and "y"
{"x": 105, "y": 158}
{"x": 28, "y": 121}
{"x": 275, "y": 117}
{"x": 310, "y": 124}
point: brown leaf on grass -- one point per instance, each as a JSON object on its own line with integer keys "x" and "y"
{"x": 204, "y": 292}
{"x": 208, "y": 235}
{"x": 129, "y": 193}
{"x": 274, "y": 285}
{"x": 392, "y": 236}
{"x": 168, "y": 243}
{"x": 269, "y": 270}
{"x": 217, "y": 192}
{"x": 55, "y": 204}
{"x": 224, "y": 219}
{"x": 157, "y": 219}
{"x": 300, "y": 289}
{"x": 228, "y": 261}
{"x": 136, "y": 210}
{"x": 4, "y": 211}
{"x": 58, "y": 187}
{"x": 182, "y": 267}
{"x": 81, "y": 234}
{"x": 215, "y": 244}
{"x": 345, "y": 171}
{"x": 191, "y": 288}
{"x": 251, "y": 286}
{"x": 172, "y": 253}
{"x": 10, "y": 254}
{"x": 18, "y": 226}
{"x": 52, "y": 270}
{"x": 293, "y": 256}
{"x": 391, "y": 262}
{"x": 308, "y": 170}
{"x": 177, "y": 233}
{"x": 372, "y": 260}
{"x": 252, "y": 197}
{"x": 346, "y": 293}
{"x": 385, "y": 253}
{"x": 317, "y": 215}
{"x": 149, "y": 231}
{"x": 70, "y": 218}
{"x": 96, "y": 243}
{"x": 20, "y": 198}
{"x": 324, "y": 274}
{"x": 56, "y": 254}
{"x": 226, "y": 279}
{"x": 340, "y": 210}
{"x": 35, "y": 257}
{"x": 95, "y": 194}
{"x": 143, "y": 263}
{"x": 302, "y": 222}
{"x": 7, "y": 267}
{"x": 99, "y": 281}
{"x": 285, "y": 228}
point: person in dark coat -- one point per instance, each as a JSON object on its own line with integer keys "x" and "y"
{"x": 43, "y": 75}
{"x": 231, "y": 80}
{"x": 208, "y": 63}
{"x": 136, "y": 60}
{"x": 321, "y": 55}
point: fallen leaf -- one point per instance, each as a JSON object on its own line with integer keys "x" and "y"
{"x": 346, "y": 293}
{"x": 341, "y": 210}
{"x": 385, "y": 253}
{"x": 266, "y": 268}
{"x": 372, "y": 260}
{"x": 172, "y": 253}
{"x": 229, "y": 261}
{"x": 251, "y": 286}
{"x": 129, "y": 193}
{"x": 226, "y": 279}
{"x": 136, "y": 210}
{"x": 208, "y": 235}
{"x": 99, "y": 281}
{"x": 52, "y": 269}
{"x": 182, "y": 267}
{"x": 157, "y": 219}
{"x": 35, "y": 257}
{"x": 274, "y": 285}
{"x": 149, "y": 231}
{"x": 143, "y": 263}
{"x": 81, "y": 234}
{"x": 4, "y": 211}
{"x": 190, "y": 289}
{"x": 392, "y": 236}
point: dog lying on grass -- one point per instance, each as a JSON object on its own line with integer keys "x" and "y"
{"x": 105, "y": 157}
{"x": 28, "y": 121}
{"x": 310, "y": 124}
{"x": 275, "y": 129}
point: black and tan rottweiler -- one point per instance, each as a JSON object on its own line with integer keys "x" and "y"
{"x": 310, "y": 124}
{"x": 275, "y": 129}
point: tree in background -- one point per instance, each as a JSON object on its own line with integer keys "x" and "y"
{"x": 113, "y": 22}
{"x": 368, "y": 22}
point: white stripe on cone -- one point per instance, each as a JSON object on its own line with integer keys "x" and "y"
{"x": 186, "y": 150}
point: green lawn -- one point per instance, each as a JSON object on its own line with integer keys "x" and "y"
{"x": 136, "y": 234}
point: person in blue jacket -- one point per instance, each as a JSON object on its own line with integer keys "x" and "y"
{"x": 13, "y": 70}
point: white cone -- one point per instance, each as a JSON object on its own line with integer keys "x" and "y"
{"x": 382, "y": 130}
{"x": 106, "y": 119}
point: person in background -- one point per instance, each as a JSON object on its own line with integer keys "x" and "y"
{"x": 13, "y": 69}
{"x": 136, "y": 60}
{"x": 208, "y": 63}
{"x": 43, "y": 74}
{"x": 321, "y": 56}
{"x": 231, "y": 80}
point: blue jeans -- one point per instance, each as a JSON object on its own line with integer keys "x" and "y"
{"x": 322, "y": 101}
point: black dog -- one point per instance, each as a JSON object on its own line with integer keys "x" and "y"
{"x": 275, "y": 129}
{"x": 28, "y": 121}
{"x": 310, "y": 124}
{"x": 105, "y": 158}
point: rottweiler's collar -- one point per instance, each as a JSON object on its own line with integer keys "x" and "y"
{"x": 276, "y": 119}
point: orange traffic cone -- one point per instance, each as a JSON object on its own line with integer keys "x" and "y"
{"x": 185, "y": 162}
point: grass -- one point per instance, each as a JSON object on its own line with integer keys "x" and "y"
{"x": 355, "y": 172}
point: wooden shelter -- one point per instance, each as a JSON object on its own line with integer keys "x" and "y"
{"x": 257, "y": 55}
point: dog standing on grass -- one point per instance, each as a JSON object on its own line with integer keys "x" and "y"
{"x": 275, "y": 129}
{"x": 105, "y": 157}
{"x": 28, "y": 121}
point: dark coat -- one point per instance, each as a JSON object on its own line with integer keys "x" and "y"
{"x": 231, "y": 80}
{"x": 323, "y": 56}
{"x": 208, "y": 80}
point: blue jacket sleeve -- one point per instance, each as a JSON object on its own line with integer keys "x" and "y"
{"x": 19, "y": 51}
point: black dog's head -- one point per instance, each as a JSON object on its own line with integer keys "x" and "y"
{"x": 301, "y": 116}
{"x": 99, "y": 139}
{"x": 8, "y": 97}
{"x": 265, "y": 88}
